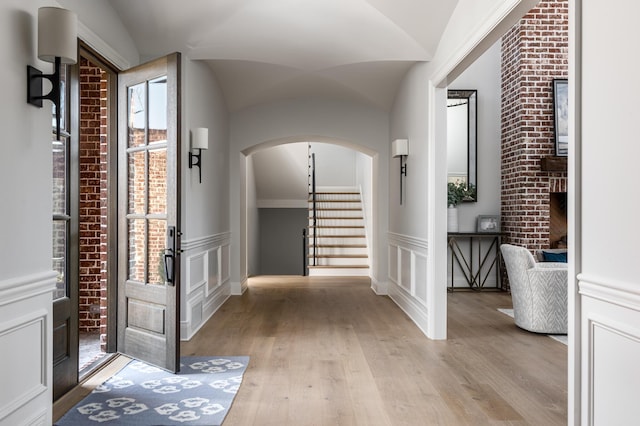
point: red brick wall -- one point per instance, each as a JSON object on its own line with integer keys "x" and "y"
{"x": 149, "y": 235}
{"x": 534, "y": 52}
{"x": 92, "y": 217}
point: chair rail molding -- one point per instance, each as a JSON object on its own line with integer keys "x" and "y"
{"x": 223, "y": 238}
{"x": 624, "y": 294}
{"x": 19, "y": 288}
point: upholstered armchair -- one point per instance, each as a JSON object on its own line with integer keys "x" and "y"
{"x": 538, "y": 291}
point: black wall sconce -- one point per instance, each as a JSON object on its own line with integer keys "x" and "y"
{"x": 400, "y": 148}
{"x": 199, "y": 141}
{"x": 57, "y": 43}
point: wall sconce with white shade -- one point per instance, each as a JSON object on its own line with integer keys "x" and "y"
{"x": 199, "y": 141}
{"x": 58, "y": 44}
{"x": 400, "y": 148}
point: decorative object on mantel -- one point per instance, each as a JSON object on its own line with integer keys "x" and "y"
{"x": 561, "y": 115}
{"x": 457, "y": 193}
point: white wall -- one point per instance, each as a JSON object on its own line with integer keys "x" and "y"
{"x": 253, "y": 221}
{"x": 408, "y": 223}
{"x": 360, "y": 127}
{"x": 365, "y": 182}
{"x": 205, "y": 216}
{"x": 335, "y": 165}
{"x": 409, "y": 121}
{"x": 203, "y": 106}
{"x": 26, "y": 276}
{"x": 603, "y": 155}
{"x": 281, "y": 176}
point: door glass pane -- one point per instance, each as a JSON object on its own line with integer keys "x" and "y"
{"x": 158, "y": 110}
{"x": 157, "y": 241}
{"x": 158, "y": 181}
{"x": 137, "y": 182}
{"x": 137, "y": 249}
{"x": 59, "y": 156}
{"x": 60, "y": 257}
{"x": 137, "y": 102}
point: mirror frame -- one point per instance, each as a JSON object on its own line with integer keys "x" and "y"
{"x": 470, "y": 96}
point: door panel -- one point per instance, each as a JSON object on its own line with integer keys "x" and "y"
{"x": 65, "y": 180}
{"x": 148, "y": 297}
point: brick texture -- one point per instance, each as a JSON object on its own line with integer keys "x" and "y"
{"x": 534, "y": 52}
{"x": 93, "y": 199}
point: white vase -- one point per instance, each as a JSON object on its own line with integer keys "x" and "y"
{"x": 452, "y": 219}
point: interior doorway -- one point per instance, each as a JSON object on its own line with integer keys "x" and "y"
{"x": 277, "y": 197}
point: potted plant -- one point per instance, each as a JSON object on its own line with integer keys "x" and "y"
{"x": 456, "y": 193}
{"x": 459, "y": 192}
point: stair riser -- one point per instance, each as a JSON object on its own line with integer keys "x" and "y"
{"x": 337, "y": 240}
{"x": 339, "y": 261}
{"x": 337, "y": 222}
{"x": 339, "y": 214}
{"x": 340, "y": 251}
{"x": 341, "y": 223}
{"x": 336, "y": 197}
{"x": 334, "y": 206}
{"x": 337, "y": 233}
{"x": 339, "y": 272}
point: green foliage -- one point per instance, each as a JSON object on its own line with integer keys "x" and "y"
{"x": 459, "y": 192}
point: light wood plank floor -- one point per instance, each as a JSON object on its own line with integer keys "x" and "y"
{"x": 327, "y": 351}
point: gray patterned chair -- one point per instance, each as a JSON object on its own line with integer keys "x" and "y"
{"x": 538, "y": 291}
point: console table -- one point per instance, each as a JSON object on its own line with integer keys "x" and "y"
{"x": 476, "y": 263}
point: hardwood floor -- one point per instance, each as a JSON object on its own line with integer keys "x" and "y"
{"x": 327, "y": 351}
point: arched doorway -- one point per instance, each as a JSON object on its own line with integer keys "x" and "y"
{"x": 262, "y": 166}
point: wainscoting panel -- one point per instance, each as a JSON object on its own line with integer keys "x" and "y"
{"x": 393, "y": 263}
{"x": 207, "y": 280}
{"x": 610, "y": 351}
{"x": 26, "y": 341}
{"x": 420, "y": 276}
{"x": 213, "y": 264}
{"x": 406, "y": 270}
{"x": 197, "y": 266}
{"x": 225, "y": 263}
{"x": 408, "y": 276}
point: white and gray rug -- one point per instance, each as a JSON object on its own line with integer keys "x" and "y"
{"x": 141, "y": 394}
{"x": 562, "y": 338}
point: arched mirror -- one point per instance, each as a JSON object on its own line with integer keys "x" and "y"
{"x": 462, "y": 139}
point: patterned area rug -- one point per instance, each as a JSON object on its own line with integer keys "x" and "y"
{"x": 562, "y": 338}
{"x": 140, "y": 394}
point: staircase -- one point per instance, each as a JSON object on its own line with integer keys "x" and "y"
{"x": 339, "y": 235}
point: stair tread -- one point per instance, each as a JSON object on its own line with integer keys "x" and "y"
{"x": 336, "y": 193}
{"x": 336, "y": 226}
{"x": 339, "y": 245}
{"x": 340, "y": 236}
{"x": 335, "y": 201}
{"x": 337, "y": 218}
{"x": 339, "y": 256}
{"x": 336, "y": 209}
{"x": 338, "y": 266}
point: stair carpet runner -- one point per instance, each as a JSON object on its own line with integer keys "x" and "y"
{"x": 340, "y": 235}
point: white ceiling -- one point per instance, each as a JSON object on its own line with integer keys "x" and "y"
{"x": 269, "y": 50}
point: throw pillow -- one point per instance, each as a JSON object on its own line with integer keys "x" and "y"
{"x": 554, "y": 257}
